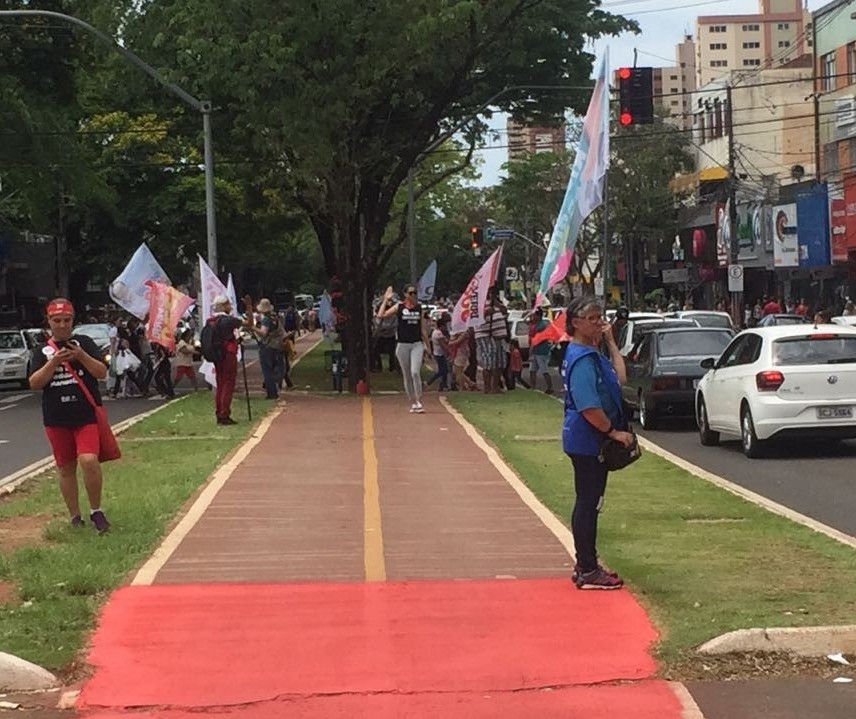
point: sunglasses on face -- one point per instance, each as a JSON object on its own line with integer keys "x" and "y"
{"x": 411, "y": 292}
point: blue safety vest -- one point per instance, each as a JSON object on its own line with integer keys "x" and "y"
{"x": 578, "y": 435}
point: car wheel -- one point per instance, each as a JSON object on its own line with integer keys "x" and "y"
{"x": 647, "y": 417}
{"x": 706, "y": 435}
{"x": 752, "y": 446}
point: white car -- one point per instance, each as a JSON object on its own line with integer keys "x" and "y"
{"x": 847, "y": 320}
{"x": 780, "y": 383}
{"x": 14, "y": 357}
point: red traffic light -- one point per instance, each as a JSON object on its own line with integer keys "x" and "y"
{"x": 624, "y": 73}
{"x": 625, "y": 118}
{"x": 474, "y": 229}
{"x": 474, "y": 245}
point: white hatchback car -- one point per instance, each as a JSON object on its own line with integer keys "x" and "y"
{"x": 778, "y": 383}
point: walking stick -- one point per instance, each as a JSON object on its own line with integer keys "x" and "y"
{"x": 246, "y": 388}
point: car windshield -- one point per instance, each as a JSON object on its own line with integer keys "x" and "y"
{"x": 815, "y": 349}
{"x": 11, "y": 341}
{"x": 693, "y": 344}
{"x": 719, "y": 321}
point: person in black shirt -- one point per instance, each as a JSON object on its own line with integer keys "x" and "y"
{"x": 68, "y": 416}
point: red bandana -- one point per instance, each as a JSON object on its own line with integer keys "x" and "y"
{"x": 60, "y": 307}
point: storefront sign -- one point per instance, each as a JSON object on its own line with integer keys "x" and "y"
{"x": 723, "y": 234}
{"x": 785, "y": 242}
{"x": 838, "y": 229}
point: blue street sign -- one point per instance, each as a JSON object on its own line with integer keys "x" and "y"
{"x": 502, "y": 233}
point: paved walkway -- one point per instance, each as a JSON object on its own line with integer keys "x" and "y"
{"x": 359, "y": 561}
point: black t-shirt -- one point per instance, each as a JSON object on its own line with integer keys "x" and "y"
{"x": 63, "y": 402}
{"x": 409, "y": 323}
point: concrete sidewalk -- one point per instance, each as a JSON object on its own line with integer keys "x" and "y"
{"x": 354, "y": 560}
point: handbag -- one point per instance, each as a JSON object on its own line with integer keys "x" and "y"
{"x": 108, "y": 445}
{"x": 614, "y": 455}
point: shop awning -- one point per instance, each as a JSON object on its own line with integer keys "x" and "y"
{"x": 688, "y": 182}
{"x": 701, "y": 215}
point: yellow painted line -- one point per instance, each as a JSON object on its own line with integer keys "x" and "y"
{"x": 372, "y": 530}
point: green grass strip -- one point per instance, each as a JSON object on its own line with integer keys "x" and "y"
{"x": 62, "y": 581}
{"x": 701, "y": 560}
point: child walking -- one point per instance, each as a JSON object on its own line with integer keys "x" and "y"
{"x": 184, "y": 359}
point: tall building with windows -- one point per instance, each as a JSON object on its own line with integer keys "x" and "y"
{"x": 779, "y": 33}
{"x": 526, "y": 139}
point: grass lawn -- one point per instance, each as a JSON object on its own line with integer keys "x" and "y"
{"x": 702, "y": 560}
{"x": 61, "y": 576}
{"x": 310, "y": 375}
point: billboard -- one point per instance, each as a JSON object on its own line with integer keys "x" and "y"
{"x": 785, "y": 241}
{"x": 813, "y": 226}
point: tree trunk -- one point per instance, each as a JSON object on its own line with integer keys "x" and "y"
{"x": 356, "y": 334}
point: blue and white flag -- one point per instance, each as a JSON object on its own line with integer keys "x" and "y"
{"x": 129, "y": 290}
{"x": 325, "y": 312}
{"x": 425, "y": 286}
{"x": 585, "y": 187}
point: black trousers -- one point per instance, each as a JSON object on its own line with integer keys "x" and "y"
{"x": 589, "y": 487}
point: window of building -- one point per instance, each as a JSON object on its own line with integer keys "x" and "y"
{"x": 718, "y": 28}
{"x": 674, "y": 102}
{"x": 751, "y": 28}
{"x": 673, "y": 77}
{"x": 851, "y": 61}
{"x": 752, "y": 62}
{"x": 719, "y": 63}
{"x": 784, "y": 26}
{"x": 719, "y": 46}
{"x": 674, "y": 91}
{"x": 784, "y": 43}
{"x": 751, "y": 45}
{"x": 828, "y": 69}
{"x": 830, "y": 157}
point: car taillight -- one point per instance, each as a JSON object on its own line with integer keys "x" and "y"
{"x": 769, "y": 380}
{"x": 665, "y": 383}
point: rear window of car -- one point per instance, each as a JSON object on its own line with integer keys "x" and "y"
{"x": 789, "y": 320}
{"x": 640, "y": 329}
{"x": 713, "y": 321}
{"x": 697, "y": 344}
{"x": 814, "y": 349}
{"x": 11, "y": 341}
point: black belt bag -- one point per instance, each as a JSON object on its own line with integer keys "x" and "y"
{"x": 614, "y": 455}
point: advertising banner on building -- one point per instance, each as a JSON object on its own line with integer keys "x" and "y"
{"x": 850, "y": 210}
{"x": 813, "y": 226}
{"x": 838, "y": 229}
{"x": 723, "y": 234}
{"x": 785, "y": 241}
{"x": 753, "y": 234}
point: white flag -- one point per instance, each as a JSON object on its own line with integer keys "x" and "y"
{"x": 129, "y": 289}
{"x": 469, "y": 311}
{"x": 230, "y": 293}
{"x": 425, "y": 286}
{"x": 209, "y": 289}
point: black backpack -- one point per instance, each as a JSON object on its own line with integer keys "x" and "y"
{"x": 212, "y": 344}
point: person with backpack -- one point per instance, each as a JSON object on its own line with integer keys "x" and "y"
{"x": 271, "y": 335}
{"x": 220, "y": 339}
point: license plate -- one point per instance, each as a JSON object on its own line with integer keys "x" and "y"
{"x": 834, "y": 412}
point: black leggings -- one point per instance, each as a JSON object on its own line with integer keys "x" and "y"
{"x": 589, "y": 486}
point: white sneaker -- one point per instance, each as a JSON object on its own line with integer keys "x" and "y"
{"x": 412, "y": 409}
{"x": 417, "y": 407}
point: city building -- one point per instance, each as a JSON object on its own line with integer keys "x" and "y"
{"x": 526, "y": 139}
{"x": 779, "y": 33}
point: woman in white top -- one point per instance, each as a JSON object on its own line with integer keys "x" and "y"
{"x": 440, "y": 345}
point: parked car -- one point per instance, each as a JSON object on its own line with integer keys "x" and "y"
{"x": 779, "y": 383}
{"x": 705, "y": 318}
{"x": 100, "y": 334}
{"x": 781, "y": 320}
{"x": 640, "y": 323}
{"x": 847, "y": 320}
{"x": 14, "y": 357}
{"x": 664, "y": 369}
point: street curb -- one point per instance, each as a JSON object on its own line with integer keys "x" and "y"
{"x": 802, "y": 641}
{"x": 11, "y": 482}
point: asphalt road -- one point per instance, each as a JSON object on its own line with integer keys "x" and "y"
{"x": 813, "y": 478}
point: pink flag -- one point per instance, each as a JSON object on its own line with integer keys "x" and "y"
{"x": 469, "y": 312}
{"x": 166, "y": 307}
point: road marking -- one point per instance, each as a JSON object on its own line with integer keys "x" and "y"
{"x": 748, "y": 494}
{"x": 550, "y": 520}
{"x": 5, "y": 441}
{"x": 147, "y": 573}
{"x": 372, "y": 529}
{"x": 15, "y": 398}
{"x": 8, "y": 406}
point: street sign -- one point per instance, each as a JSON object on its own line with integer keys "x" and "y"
{"x": 676, "y": 277}
{"x": 735, "y": 278}
{"x": 511, "y": 274}
{"x": 501, "y": 233}
{"x": 598, "y": 286}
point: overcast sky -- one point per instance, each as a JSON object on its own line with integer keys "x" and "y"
{"x": 663, "y": 24}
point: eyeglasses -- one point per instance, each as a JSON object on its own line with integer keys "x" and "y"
{"x": 594, "y": 319}
{"x": 411, "y": 292}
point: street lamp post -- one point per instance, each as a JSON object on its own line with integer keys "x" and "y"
{"x": 201, "y": 106}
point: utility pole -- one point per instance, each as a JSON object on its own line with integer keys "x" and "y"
{"x": 816, "y": 97}
{"x": 734, "y": 242}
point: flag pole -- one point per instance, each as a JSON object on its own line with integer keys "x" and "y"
{"x": 246, "y": 389}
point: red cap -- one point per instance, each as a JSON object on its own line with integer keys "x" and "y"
{"x": 60, "y": 307}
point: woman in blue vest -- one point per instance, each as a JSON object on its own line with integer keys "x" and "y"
{"x": 593, "y": 412}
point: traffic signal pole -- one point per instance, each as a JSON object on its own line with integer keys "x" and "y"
{"x": 734, "y": 242}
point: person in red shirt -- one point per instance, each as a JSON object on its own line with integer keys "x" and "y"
{"x": 772, "y": 307}
{"x": 801, "y": 308}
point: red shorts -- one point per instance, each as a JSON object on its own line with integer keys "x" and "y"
{"x": 68, "y": 443}
{"x": 184, "y": 371}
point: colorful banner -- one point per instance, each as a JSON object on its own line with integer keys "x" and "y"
{"x": 166, "y": 307}
{"x": 838, "y": 229}
{"x": 723, "y": 233}
{"x": 585, "y": 187}
{"x": 785, "y": 242}
{"x": 813, "y": 227}
{"x": 425, "y": 286}
{"x": 130, "y": 289}
{"x": 469, "y": 311}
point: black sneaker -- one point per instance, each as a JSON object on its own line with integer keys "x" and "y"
{"x": 576, "y": 573}
{"x": 99, "y": 521}
{"x": 77, "y": 521}
{"x": 226, "y": 421}
{"x": 599, "y": 579}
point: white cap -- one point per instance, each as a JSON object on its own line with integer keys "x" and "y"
{"x": 219, "y": 301}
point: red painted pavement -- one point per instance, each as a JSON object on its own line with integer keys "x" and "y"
{"x": 186, "y": 646}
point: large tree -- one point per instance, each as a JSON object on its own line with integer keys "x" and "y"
{"x": 343, "y": 98}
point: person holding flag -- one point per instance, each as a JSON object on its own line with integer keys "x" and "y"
{"x": 539, "y": 352}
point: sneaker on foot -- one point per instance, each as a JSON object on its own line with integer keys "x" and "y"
{"x": 599, "y": 579}
{"x": 77, "y": 521}
{"x": 226, "y": 421}
{"x": 576, "y": 573}
{"x": 99, "y": 521}
{"x": 412, "y": 409}
{"x": 418, "y": 408}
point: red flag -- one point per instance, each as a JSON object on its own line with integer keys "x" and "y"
{"x": 166, "y": 307}
{"x": 554, "y": 332}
